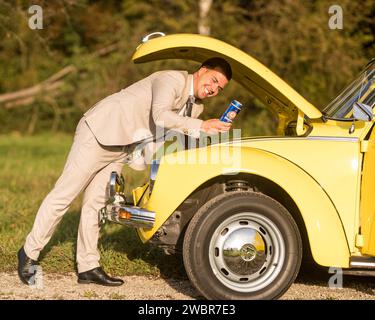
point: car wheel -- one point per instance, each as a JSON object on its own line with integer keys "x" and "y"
{"x": 242, "y": 245}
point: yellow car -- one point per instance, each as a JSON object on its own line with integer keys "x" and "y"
{"x": 244, "y": 220}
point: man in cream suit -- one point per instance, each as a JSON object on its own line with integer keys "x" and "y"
{"x": 105, "y": 137}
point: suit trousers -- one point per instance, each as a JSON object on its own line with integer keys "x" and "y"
{"x": 88, "y": 168}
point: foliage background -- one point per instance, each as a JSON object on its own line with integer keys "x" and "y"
{"x": 291, "y": 37}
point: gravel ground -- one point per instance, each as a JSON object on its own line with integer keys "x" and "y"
{"x": 308, "y": 285}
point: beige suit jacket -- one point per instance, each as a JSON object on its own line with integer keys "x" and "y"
{"x": 133, "y": 114}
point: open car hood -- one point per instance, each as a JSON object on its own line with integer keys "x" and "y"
{"x": 250, "y": 73}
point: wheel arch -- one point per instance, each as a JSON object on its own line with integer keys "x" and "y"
{"x": 273, "y": 190}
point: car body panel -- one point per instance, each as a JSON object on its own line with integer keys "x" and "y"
{"x": 364, "y": 218}
{"x": 334, "y": 163}
{"x": 367, "y": 208}
{"x": 253, "y": 75}
{"x": 324, "y": 227}
{"x": 340, "y": 129}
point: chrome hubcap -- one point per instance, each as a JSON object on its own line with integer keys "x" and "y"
{"x": 246, "y": 252}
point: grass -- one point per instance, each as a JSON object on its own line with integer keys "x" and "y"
{"x": 116, "y": 296}
{"x": 29, "y": 167}
{"x": 90, "y": 294}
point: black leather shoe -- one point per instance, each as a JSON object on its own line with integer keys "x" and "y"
{"x": 98, "y": 276}
{"x": 25, "y": 266}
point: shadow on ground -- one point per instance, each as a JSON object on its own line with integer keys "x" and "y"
{"x": 60, "y": 252}
{"x": 170, "y": 267}
{"x": 312, "y": 274}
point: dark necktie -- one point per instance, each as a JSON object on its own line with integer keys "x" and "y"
{"x": 189, "y": 106}
{"x": 187, "y": 113}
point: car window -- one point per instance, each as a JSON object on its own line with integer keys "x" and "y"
{"x": 362, "y": 89}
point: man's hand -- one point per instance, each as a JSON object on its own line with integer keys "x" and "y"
{"x": 213, "y": 126}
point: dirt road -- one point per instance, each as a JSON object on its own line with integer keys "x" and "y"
{"x": 308, "y": 285}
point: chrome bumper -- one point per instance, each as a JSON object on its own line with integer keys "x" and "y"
{"x": 130, "y": 216}
{"x": 116, "y": 209}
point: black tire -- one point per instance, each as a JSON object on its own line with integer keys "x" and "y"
{"x": 249, "y": 240}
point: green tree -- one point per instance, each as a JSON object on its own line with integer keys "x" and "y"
{"x": 93, "y": 40}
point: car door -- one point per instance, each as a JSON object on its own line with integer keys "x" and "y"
{"x": 367, "y": 206}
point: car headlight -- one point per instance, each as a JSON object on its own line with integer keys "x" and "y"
{"x": 153, "y": 172}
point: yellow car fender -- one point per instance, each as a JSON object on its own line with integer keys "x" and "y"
{"x": 184, "y": 171}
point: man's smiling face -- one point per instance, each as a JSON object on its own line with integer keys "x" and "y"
{"x": 208, "y": 82}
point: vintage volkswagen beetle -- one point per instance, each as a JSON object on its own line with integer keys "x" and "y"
{"x": 243, "y": 225}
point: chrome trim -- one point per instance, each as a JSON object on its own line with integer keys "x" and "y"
{"x": 359, "y": 264}
{"x": 135, "y": 217}
{"x": 153, "y": 172}
{"x": 116, "y": 184}
{"x": 146, "y": 38}
{"x": 352, "y": 139}
{"x": 327, "y": 138}
{"x": 154, "y": 169}
{"x": 117, "y": 211}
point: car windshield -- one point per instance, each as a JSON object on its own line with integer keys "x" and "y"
{"x": 361, "y": 89}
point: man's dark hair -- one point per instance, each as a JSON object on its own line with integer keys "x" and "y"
{"x": 220, "y": 63}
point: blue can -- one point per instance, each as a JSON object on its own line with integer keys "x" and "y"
{"x": 232, "y": 111}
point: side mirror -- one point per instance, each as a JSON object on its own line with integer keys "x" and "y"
{"x": 362, "y": 112}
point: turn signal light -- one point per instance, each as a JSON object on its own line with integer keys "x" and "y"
{"x": 123, "y": 214}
